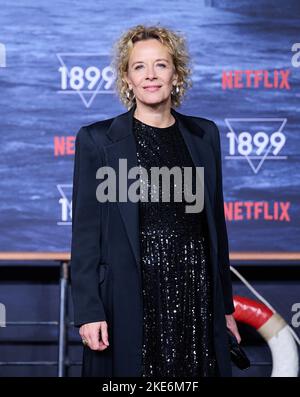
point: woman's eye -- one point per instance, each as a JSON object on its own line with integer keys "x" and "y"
{"x": 159, "y": 64}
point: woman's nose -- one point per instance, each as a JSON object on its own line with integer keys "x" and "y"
{"x": 151, "y": 72}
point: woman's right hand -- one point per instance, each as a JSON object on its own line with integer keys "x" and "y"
{"x": 95, "y": 334}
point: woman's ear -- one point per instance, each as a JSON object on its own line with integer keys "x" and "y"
{"x": 175, "y": 78}
{"x": 126, "y": 78}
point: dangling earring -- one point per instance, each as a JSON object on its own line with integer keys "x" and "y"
{"x": 176, "y": 90}
{"x": 128, "y": 94}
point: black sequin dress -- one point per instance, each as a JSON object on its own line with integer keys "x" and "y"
{"x": 177, "y": 287}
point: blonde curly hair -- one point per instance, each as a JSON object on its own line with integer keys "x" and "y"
{"x": 176, "y": 44}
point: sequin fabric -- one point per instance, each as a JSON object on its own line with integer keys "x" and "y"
{"x": 177, "y": 303}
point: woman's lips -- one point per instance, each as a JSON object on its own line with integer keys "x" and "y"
{"x": 152, "y": 89}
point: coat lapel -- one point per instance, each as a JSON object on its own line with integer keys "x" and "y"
{"x": 123, "y": 146}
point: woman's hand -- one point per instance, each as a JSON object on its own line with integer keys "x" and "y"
{"x": 231, "y": 324}
{"x": 95, "y": 334}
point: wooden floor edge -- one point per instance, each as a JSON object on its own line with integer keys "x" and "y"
{"x": 65, "y": 256}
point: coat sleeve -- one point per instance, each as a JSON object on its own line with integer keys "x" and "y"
{"x": 85, "y": 245}
{"x": 223, "y": 250}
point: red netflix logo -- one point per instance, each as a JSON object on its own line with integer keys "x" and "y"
{"x": 238, "y": 79}
{"x": 64, "y": 145}
{"x": 257, "y": 210}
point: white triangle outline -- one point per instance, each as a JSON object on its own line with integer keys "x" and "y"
{"x": 283, "y": 123}
{"x": 94, "y": 92}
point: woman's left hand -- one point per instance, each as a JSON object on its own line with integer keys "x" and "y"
{"x": 231, "y": 324}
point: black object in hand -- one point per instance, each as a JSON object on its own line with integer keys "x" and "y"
{"x": 238, "y": 356}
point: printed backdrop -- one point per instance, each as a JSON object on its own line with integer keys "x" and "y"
{"x": 55, "y": 76}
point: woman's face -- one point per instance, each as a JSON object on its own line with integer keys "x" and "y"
{"x": 151, "y": 72}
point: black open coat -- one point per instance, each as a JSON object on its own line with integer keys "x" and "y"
{"x": 105, "y": 257}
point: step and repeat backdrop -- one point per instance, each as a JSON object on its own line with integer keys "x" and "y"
{"x": 56, "y": 75}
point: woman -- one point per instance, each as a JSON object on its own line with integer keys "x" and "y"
{"x": 151, "y": 283}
